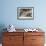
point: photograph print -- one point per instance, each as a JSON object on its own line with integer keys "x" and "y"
{"x": 25, "y": 13}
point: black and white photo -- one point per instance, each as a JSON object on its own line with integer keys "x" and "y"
{"x": 25, "y": 13}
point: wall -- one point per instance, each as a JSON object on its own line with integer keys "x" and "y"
{"x": 8, "y": 13}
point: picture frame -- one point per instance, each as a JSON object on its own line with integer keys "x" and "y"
{"x": 25, "y": 13}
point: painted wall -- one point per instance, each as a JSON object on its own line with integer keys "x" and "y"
{"x": 8, "y": 13}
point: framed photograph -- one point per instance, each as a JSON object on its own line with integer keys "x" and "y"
{"x": 25, "y": 13}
